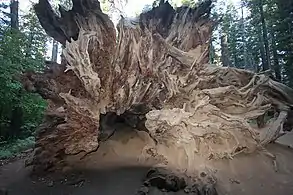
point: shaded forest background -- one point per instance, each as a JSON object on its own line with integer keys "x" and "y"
{"x": 256, "y": 35}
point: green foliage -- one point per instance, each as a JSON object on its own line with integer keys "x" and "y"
{"x": 279, "y": 21}
{"x": 259, "y": 41}
{"x": 230, "y": 26}
{"x": 20, "y": 50}
{"x": 15, "y": 59}
{"x": 105, "y": 6}
{"x": 190, "y": 3}
{"x": 284, "y": 30}
{"x": 15, "y": 147}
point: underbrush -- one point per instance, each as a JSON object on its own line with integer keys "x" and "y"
{"x": 11, "y": 149}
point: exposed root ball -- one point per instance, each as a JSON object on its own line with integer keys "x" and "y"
{"x": 155, "y": 68}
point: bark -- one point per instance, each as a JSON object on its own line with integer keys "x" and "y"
{"x": 54, "y": 51}
{"x": 155, "y": 71}
{"x": 262, "y": 51}
{"x": 266, "y": 65}
{"x": 225, "y": 51}
{"x": 16, "y": 118}
{"x": 277, "y": 68}
{"x": 14, "y": 14}
{"x": 245, "y": 56}
{"x": 212, "y": 53}
{"x": 16, "y": 121}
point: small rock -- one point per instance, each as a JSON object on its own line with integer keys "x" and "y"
{"x": 146, "y": 183}
{"x": 143, "y": 191}
{"x": 165, "y": 181}
{"x": 209, "y": 190}
{"x": 195, "y": 189}
{"x": 203, "y": 174}
{"x": 28, "y": 162}
{"x": 79, "y": 184}
{"x": 211, "y": 180}
{"x": 235, "y": 181}
{"x": 76, "y": 182}
{"x": 186, "y": 190}
{"x": 28, "y": 151}
{"x": 50, "y": 184}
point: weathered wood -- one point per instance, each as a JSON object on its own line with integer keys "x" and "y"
{"x": 155, "y": 68}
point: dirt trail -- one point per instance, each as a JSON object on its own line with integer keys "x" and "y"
{"x": 114, "y": 169}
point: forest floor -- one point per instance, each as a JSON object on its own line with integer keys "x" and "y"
{"x": 111, "y": 171}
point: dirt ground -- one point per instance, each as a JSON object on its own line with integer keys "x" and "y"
{"x": 115, "y": 170}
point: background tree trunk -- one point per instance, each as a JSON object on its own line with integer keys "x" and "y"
{"x": 245, "y": 56}
{"x": 54, "y": 55}
{"x": 262, "y": 51}
{"x": 16, "y": 119}
{"x": 225, "y": 51}
{"x": 265, "y": 37}
{"x": 14, "y": 14}
{"x": 277, "y": 68}
{"x": 16, "y": 122}
{"x": 285, "y": 37}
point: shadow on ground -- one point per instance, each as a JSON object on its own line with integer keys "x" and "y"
{"x": 120, "y": 181}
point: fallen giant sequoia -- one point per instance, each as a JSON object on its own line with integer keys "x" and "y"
{"x": 154, "y": 68}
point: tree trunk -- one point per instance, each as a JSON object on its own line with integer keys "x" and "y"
{"x": 14, "y": 14}
{"x": 234, "y": 54}
{"x": 277, "y": 68}
{"x": 225, "y": 51}
{"x": 16, "y": 119}
{"x": 54, "y": 55}
{"x": 16, "y": 122}
{"x": 212, "y": 53}
{"x": 245, "y": 56}
{"x": 262, "y": 51}
{"x": 155, "y": 72}
{"x": 266, "y": 65}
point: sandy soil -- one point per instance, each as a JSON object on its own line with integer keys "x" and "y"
{"x": 116, "y": 169}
